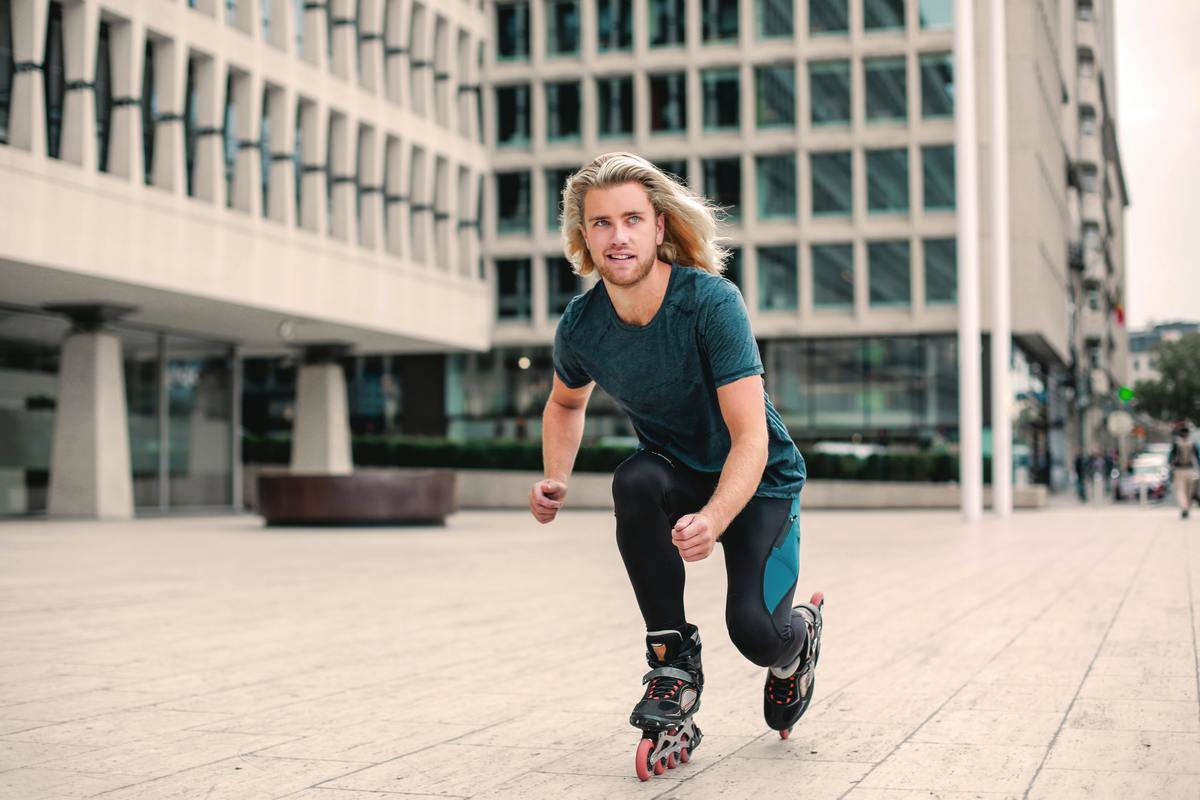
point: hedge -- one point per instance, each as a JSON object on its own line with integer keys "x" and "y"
{"x": 381, "y": 451}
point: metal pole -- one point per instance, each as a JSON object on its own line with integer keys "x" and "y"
{"x": 966, "y": 158}
{"x": 1001, "y": 290}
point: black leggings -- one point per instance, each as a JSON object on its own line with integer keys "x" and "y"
{"x": 762, "y": 555}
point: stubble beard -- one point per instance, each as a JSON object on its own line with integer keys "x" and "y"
{"x": 643, "y": 269}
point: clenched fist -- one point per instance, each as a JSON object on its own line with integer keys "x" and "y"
{"x": 694, "y": 535}
{"x": 546, "y": 498}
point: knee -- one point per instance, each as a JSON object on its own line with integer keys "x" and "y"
{"x": 641, "y": 479}
{"x": 756, "y": 639}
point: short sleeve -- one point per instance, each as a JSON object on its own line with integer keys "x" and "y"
{"x": 566, "y": 360}
{"x": 728, "y": 340}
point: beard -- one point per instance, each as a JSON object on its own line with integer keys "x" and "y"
{"x": 627, "y": 278}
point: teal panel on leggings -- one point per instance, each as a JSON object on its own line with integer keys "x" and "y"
{"x": 783, "y": 564}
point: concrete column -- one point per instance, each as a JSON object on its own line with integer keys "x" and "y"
{"x": 90, "y": 474}
{"x": 321, "y": 432}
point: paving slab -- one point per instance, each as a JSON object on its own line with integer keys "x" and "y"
{"x": 1051, "y": 655}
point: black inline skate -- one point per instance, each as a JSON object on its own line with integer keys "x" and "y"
{"x": 788, "y": 693}
{"x": 672, "y": 697}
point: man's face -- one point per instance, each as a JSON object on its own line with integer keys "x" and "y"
{"x": 622, "y": 232}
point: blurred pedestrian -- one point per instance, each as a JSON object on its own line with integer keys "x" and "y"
{"x": 1185, "y": 461}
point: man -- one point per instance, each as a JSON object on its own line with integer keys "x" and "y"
{"x": 1184, "y": 459}
{"x": 669, "y": 339}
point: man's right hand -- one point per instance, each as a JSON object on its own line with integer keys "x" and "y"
{"x": 546, "y": 498}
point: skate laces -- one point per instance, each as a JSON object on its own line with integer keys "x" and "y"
{"x": 776, "y": 688}
{"x": 663, "y": 688}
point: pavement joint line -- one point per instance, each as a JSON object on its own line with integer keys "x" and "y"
{"x": 1107, "y": 630}
{"x": 1045, "y": 610}
{"x": 1192, "y": 613}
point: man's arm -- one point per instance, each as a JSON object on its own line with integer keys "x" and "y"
{"x": 562, "y": 430}
{"x": 745, "y": 415}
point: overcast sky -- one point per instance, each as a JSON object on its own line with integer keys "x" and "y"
{"x": 1158, "y": 126}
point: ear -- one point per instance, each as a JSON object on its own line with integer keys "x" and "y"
{"x": 660, "y": 225}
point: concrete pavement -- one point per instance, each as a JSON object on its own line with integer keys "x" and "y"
{"x": 1052, "y": 656}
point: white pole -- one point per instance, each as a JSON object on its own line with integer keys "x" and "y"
{"x": 966, "y": 189}
{"x": 1001, "y": 291}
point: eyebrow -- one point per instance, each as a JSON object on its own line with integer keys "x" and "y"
{"x": 623, "y": 214}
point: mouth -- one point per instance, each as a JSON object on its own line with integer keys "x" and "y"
{"x": 621, "y": 258}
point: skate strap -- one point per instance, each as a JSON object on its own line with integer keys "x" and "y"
{"x": 667, "y": 672}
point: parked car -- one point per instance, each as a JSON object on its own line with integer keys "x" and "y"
{"x": 1149, "y": 471}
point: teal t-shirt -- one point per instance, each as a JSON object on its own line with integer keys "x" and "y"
{"x": 664, "y": 375}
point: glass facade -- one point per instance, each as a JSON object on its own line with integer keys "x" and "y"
{"x": 512, "y": 116}
{"x": 936, "y": 14}
{"x": 103, "y": 92}
{"x": 562, "y": 27}
{"x": 7, "y": 66}
{"x": 833, "y": 275}
{"x": 514, "y": 295}
{"x": 614, "y": 25}
{"x": 54, "y": 79}
{"x": 512, "y": 202}
{"x": 562, "y": 110}
{"x": 775, "y": 18}
{"x": 829, "y": 92}
{"x": 721, "y": 98}
{"x": 562, "y": 284}
{"x": 775, "y": 95}
{"x": 723, "y": 184}
{"x": 937, "y": 85}
{"x": 556, "y": 181}
{"x": 668, "y": 102}
{"x": 890, "y": 274}
{"x": 832, "y": 184}
{"x": 887, "y": 181}
{"x": 778, "y": 278}
{"x": 776, "y": 178}
{"x": 828, "y": 17}
{"x": 719, "y": 20}
{"x": 733, "y": 266}
{"x": 937, "y": 169}
{"x": 674, "y": 168}
{"x": 512, "y": 30}
{"x": 941, "y": 271}
{"x": 887, "y": 97}
{"x": 668, "y": 23}
{"x": 614, "y": 98}
{"x": 883, "y": 15}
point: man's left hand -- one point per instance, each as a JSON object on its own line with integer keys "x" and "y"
{"x": 694, "y": 535}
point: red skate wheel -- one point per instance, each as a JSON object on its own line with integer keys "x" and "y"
{"x": 671, "y": 761}
{"x": 818, "y": 599}
{"x": 660, "y": 766}
{"x": 641, "y": 761}
{"x": 783, "y": 734}
{"x": 685, "y": 754}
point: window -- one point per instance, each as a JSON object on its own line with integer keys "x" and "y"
{"x": 512, "y": 31}
{"x": 7, "y": 67}
{"x": 668, "y": 23}
{"x": 1093, "y": 299}
{"x": 828, "y": 17}
{"x": 777, "y": 278}
{"x": 719, "y": 20}
{"x": 562, "y": 284}
{"x": 668, "y": 103}
{"x": 941, "y": 271}
{"x": 562, "y": 27}
{"x": 1091, "y": 236}
{"x": 614, "y": 100}
{"x": 55, "y": 82}
{"x": 104, "y": 98}
{"x": 776, "y": 176}
{"x": 614, "y": 25}
{"x": 833, "y": 275}
{"x": 513, "y": 297}
{"x": 887, "y": 181}
{"x": 889, "y": 282}
{"x": 1087, "y": 63}
{"x": 675, "y": 168}
{"x": 733, "y": 266}
{"x": 832, "y": 192}
{"x": 562, "y": 110}
{"x": 775, "y": 95}
{"x": 1087, "y": 120}
{"x": 937, "y": 85}
{"x": 829, "y": 90}
{"x": 937, "y": 167}
{"x": 720, "y": 88}
{"x": 512, "y": 116}
{"x": 723, "y": 184}
{"x": 774, "y": 19}
{"x": 1087, "y": 177}
{"x": 936, "y": 14}
{"x": 512, "y": 202}
{"x": 1084, "y": 10}
{"x": 887, "y": 98}
{"x": 556, "y": 180}
{"x": 883, "y": 15}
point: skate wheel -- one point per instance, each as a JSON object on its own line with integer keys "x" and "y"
{"x": 660, "y": 766}
{"x": 641, "y": 761}
{"x": 818, "y": 599}
{"x": 671, "y": 761}
{"x": 783, "y": 734}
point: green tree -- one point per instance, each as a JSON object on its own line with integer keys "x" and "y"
{"x": 1176, "y": 395}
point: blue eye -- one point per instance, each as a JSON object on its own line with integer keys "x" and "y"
{"x": 635, "y": 218}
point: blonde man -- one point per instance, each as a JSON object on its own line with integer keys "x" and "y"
{"x": 669, "y": 339}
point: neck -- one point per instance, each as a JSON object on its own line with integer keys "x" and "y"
{"x": 637, "y": 304}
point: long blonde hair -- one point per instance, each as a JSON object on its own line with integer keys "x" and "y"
{"x": 690, "y": 235}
